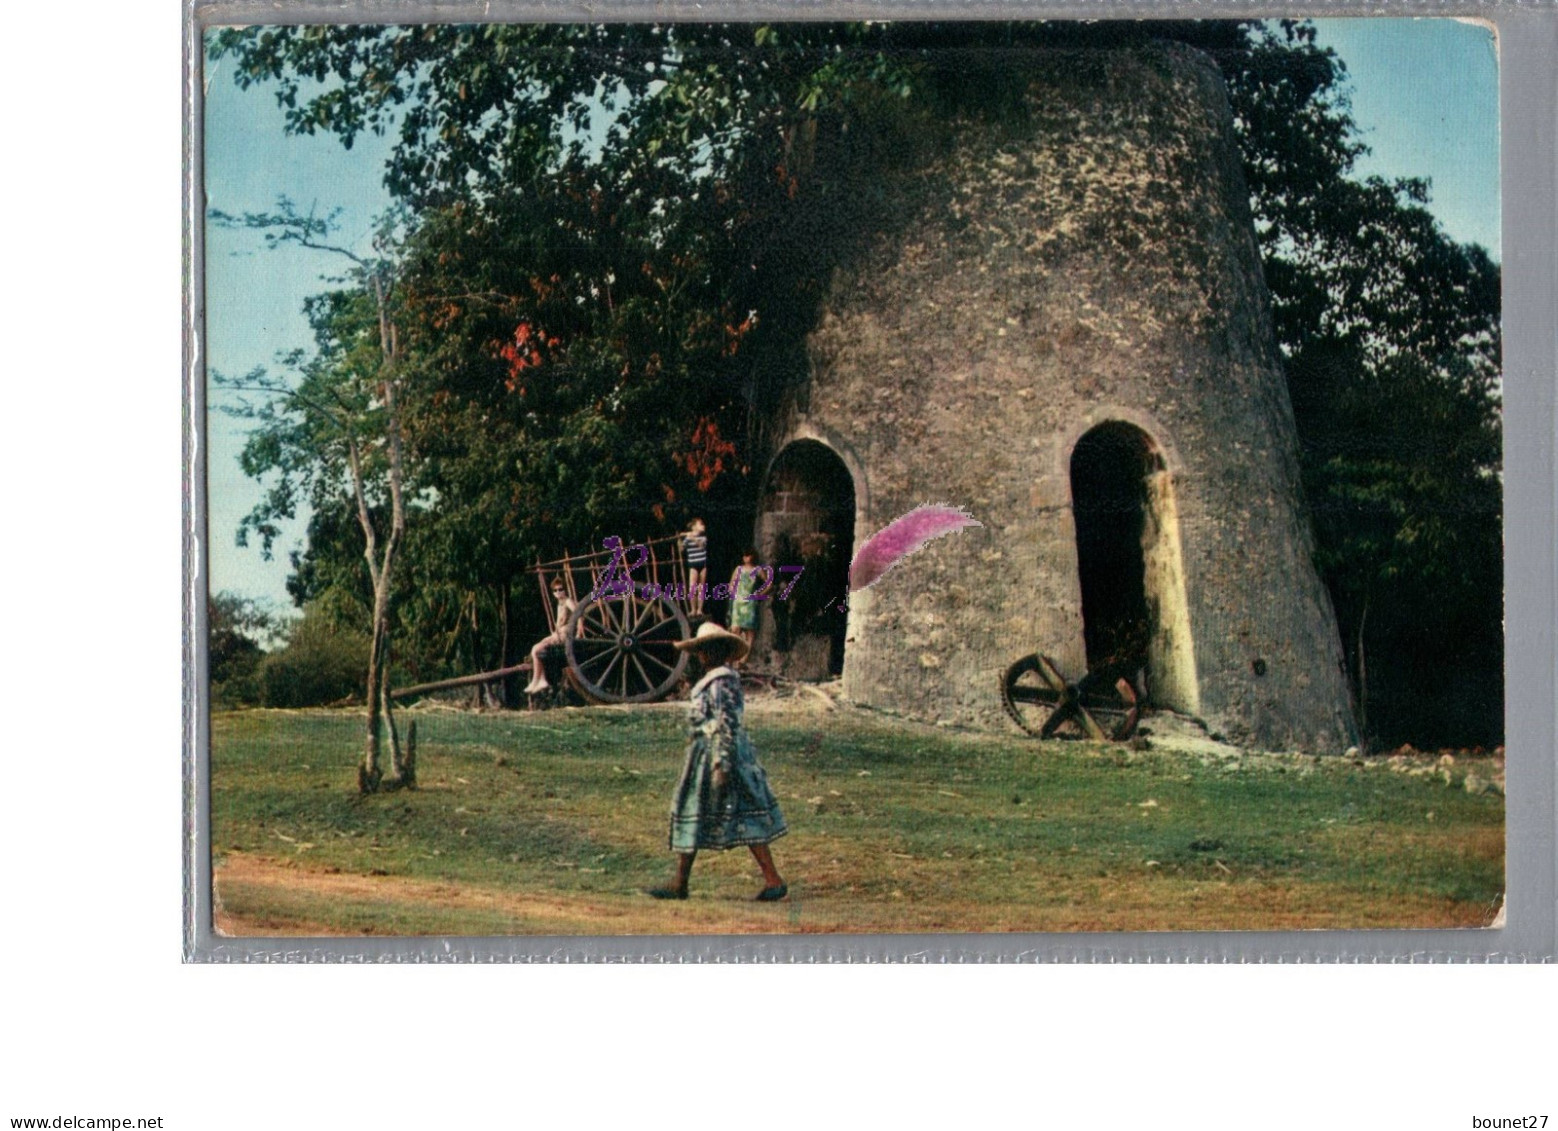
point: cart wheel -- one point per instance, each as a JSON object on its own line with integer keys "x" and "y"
{"x": 626, "y": 651}
{"x": 1029, "y": 697}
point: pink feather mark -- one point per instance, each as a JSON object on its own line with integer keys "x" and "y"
{"x": 901, "y": 537}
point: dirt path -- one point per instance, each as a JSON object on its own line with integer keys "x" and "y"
{"x": 285, "y": 891}
{"x": 259, "y": 896}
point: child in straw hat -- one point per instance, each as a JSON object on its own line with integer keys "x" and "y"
{"x": 722, "y": 800}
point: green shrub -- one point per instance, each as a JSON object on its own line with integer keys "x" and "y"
{"x": 238, "y": 627}
{"x": 240, "y": 689}
{"x": 321, "y": 664}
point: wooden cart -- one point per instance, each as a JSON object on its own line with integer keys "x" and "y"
{"x": 620, "y": 643}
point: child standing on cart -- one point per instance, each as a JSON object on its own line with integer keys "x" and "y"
{"x": 695, "y": 549}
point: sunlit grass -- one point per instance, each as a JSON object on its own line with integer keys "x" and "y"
{"x": 555, "y": 822}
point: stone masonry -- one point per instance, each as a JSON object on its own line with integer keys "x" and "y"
{"x": 1091, "y": 263}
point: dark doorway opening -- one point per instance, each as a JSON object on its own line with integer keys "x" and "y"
{"x": 1110, "y": 468}
{"x": 807, "y": 518}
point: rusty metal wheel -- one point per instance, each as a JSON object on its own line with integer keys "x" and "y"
{"x": 1042, "y": 702}
{"x": 1115, "y": 706}
{"x": 1028, "y": 696}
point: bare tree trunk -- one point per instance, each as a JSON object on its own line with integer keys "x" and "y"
{"x": 381, "y": 567}
{"x": 1363, "y": 680}
{"x": 505, "y": 696}
{"x": 381, "y": 563}
{"x": 476, "y": 657}
{"x": 408, "y": 765}
{"x": 402, "y": 759}
{"x": 370, "y": 772}
{"x": 396, "y": 778}
{"x": 397, "y": 531}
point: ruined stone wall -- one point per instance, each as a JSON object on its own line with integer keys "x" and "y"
{"x": 1091, "y": 260}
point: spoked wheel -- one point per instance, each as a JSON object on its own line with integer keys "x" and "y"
{"x": 1043, "y": 703}
{"x": 1113, "y": 705}
{"x": 1030, "y": 694}
{"x": 626, "y": 649}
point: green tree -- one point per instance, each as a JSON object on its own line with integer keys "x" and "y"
{"x": 338, "y": 432}
{"x": 478, "y": 109}
{"x": 238, "y": 629}
{"x": 574, "y": 379}
{"x": 1390, "y": 330}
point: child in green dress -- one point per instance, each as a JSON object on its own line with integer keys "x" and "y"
{"x": 743, "y": 609}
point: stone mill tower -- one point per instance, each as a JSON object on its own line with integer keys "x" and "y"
{"x": 1056, "y": 318}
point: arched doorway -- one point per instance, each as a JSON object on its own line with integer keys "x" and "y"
{"x": 806, "y": 517}
{"x": 1134, "y": 613}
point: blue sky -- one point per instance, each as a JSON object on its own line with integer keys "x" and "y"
{"x": 1424, "y": 92}
{"x": 254, "y": 296}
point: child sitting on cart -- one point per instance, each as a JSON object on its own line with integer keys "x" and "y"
{"x": 565, "y": 605}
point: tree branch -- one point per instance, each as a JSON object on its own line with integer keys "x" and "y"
{"x": 292, "y": 395}
{"x": 370, "y": 547}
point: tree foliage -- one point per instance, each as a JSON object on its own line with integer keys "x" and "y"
{"x": 238, "y": 629}
{"x": 322, "y": 662}
{"x": 1390, "y": 330}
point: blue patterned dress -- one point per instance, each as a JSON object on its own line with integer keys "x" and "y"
{"x": 745, "y": 811}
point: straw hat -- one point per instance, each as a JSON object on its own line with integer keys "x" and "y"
{"x": 709, "y": 632}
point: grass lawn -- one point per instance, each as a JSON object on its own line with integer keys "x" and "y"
{"x": 554, "y": 822}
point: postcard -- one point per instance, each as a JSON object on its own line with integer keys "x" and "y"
{"x": 852, "y": 479}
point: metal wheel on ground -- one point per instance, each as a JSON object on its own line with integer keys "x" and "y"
{"x": 1044, "y": 703}
{"x": 1029, "y": 694}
